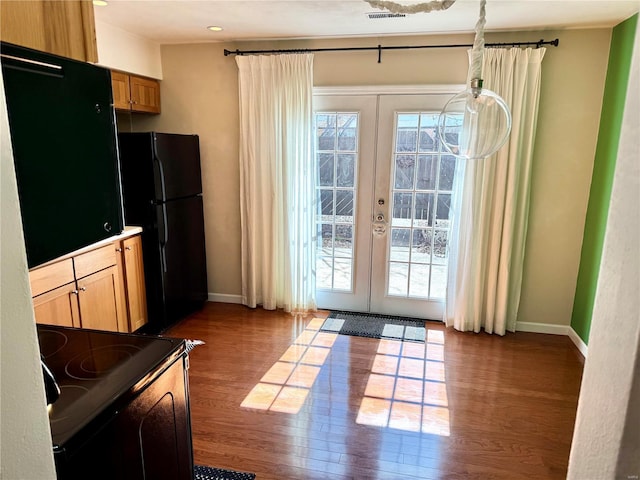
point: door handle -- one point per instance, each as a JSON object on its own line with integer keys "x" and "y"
{"x": 379, "y": 227}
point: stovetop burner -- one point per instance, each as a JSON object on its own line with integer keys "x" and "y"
{"x": 94, "y": 369}
{"x": 100, "y": 361}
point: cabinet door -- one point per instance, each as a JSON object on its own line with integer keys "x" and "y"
{"x": 134, "y": 281}
{"x": 121, "y": 91}
{"x": 64, "y": 28}
{"x": 145, "y": 94}
{"x": 51, "y": 276}
{"x": 58, "y": 307}
{"x": 98, "y": 298}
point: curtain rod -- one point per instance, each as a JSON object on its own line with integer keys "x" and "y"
{"x": 380, "y": 48}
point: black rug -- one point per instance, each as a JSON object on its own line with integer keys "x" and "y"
{"x": 375, "y": 326}
{"x": 209, "y": 473}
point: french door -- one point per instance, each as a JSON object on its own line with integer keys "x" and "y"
{"x": 384, "y": 194}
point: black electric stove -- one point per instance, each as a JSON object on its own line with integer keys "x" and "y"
{"x": 100, "y": 375}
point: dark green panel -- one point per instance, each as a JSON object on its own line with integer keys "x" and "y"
{"x": 64, "y": 148}
{"x": 615, "y": 93}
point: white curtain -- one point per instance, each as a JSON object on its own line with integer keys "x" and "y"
{"x": 491, "y": 205}
{"x": 277, "y": 181}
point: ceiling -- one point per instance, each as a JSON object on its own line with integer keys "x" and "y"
{"x": 185, "y": 21}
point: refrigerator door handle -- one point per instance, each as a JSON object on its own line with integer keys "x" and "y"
{"x": 162, "y": 184}
{"x": 164, "y": 238}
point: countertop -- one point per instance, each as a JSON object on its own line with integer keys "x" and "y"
{"x": 129, "y": 231}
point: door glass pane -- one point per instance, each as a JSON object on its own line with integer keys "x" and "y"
{"x": 421, "y": 245}
{"x": 440, "y": 247}
{"x": 398, "y": 276}
{"x": 326, "y": 205}
{"x": 326, "y": 132}
{"x": 344, "y": 241}
{"x": 444, "y": 207}
{"x": 346, "y": 170}
{"x": 344, "y": 205}
{"x": 402, "y": 209}
{"x": 347, "y": 129}
{"x": 405, "y": 166}
{"x": 325, "y": 240}
{"x": 421, "y": 195}
{"x": 400, "y": 238}
{"x": 423, "y": 216}
{"x": 337, "y": 161}
{"x": 447, "y": 169}
{"x": 342, "y": 273}
{"x": 325, "y": 169}
{"x": 407, "y": 133}
{"x": 419, "y": 281}
{"x": 427, "y": 167}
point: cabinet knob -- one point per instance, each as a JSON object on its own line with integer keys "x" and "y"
{"x": 118, "y": 249}
{"x": 74, "y": 292}
{"x": 127, "y": 248}
{"x": 83, "y": 289}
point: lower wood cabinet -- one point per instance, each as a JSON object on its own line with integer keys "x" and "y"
{"x": 101, "y": 289}
{"x": 58, "y": 307}
{"x": 136, "y": 295}
{"x": 99, "y": 301}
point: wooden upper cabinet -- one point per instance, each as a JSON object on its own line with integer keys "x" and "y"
{"x": 65, "y": 28}
{"x": 145, "y": 94}
{"x": 132, "y": 93}
{"x": 121, "y": 91}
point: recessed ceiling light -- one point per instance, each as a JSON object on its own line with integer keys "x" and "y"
{"x": 214, "y": 28}
{"x": 100, "y": 3}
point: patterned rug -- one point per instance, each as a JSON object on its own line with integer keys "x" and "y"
{"x": 375, "y": 326}
{"x": 209, "y": 473}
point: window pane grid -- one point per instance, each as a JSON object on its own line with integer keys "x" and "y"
{"x": 420, "y": 210}
{"x": 336, "y": 152}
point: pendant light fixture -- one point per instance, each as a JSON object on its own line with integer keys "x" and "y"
{"x": 475, "y": 123}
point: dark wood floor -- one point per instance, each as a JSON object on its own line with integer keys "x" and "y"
{"x": 270, "y": 396}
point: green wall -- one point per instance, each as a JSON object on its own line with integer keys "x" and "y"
{"x": 615, "y": 91}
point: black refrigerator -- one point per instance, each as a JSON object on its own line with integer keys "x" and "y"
{"x": 162, "y": 192}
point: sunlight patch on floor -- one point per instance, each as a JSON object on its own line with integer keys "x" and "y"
{"x": 285, "y": 386}
{"x": 406, "y": 389}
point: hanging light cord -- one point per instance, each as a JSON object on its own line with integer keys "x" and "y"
{"x": 475, "y": 70}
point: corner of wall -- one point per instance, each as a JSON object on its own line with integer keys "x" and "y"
{"x": 617, "y": 80}
{"x": 123, "y": 50}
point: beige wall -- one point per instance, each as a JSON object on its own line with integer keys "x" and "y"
{"x": 122, "y": 50}
{"x": 199, "y": 95}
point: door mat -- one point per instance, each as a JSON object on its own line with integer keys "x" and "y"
{"x": 201, "y": 472}
{"x": 375, "y": 326}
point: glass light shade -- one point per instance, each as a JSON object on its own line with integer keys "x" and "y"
{"x": 474, "y": 124}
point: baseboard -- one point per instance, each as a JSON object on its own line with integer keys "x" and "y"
{"x": 575, "y": 338}
{"x": 225, "y": 298}
{"x": 542, "y": 328}
{"x": 553, "y": 330}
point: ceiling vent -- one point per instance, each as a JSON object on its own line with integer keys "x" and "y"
{"x": 376, "y": 15}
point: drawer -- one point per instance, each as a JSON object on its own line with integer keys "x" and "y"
{"x": 95, "y": 260}
{"x": 52, "y": 276}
